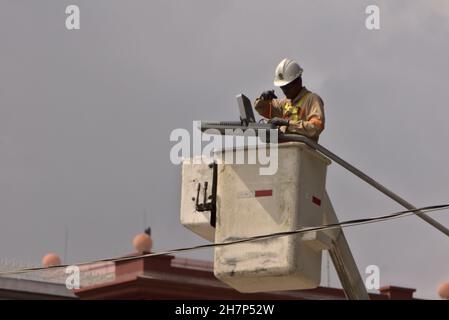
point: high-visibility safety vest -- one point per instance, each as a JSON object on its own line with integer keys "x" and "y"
{"x": 292, "y": 112}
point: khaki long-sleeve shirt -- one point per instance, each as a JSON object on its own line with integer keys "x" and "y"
{"x": 305, "y": 112}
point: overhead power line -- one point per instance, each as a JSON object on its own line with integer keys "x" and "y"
{"x": 343, "y": 224}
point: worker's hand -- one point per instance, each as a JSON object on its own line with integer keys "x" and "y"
{"x": 279, "y": 122}
{"x": 268, "y": 95}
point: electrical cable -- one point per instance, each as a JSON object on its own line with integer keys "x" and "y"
{"x": 348, "y": 223}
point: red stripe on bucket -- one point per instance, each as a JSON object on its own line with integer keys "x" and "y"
{"x": 263, "y": 193}
{"x": 316, "y": 201}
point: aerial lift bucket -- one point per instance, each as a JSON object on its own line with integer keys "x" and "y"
{"x": 250, "y": 204}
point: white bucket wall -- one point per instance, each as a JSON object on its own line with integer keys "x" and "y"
{"x": 250, "y": 204}
{"x": 194, "y": 172}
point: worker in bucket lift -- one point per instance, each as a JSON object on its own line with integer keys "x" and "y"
{"x": 302, "y": 111}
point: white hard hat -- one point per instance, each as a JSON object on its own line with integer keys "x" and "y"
{"x": 286, "y": 71}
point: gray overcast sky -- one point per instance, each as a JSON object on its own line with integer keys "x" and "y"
{"x": 85, "y": 117}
